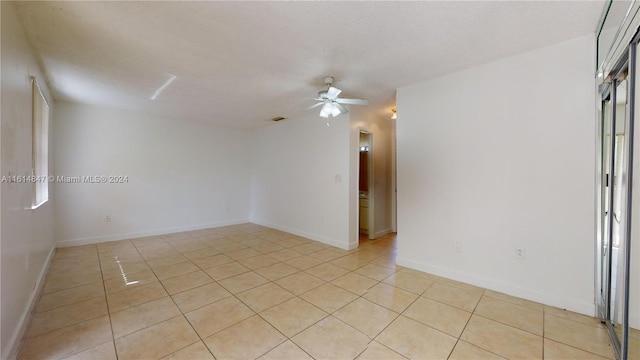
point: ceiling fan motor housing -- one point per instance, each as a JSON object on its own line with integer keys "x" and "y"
{"x": 328, "y": 80}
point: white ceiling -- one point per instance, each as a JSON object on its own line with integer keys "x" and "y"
{"x": 238, "y": 64}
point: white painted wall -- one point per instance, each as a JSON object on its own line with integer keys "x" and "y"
{"x": 499, "y": 156}
{"x": 381, "y": 128}
{"x": 294, "y": 185}
{"x": 181, "y": 175}
{"x": 26, "y": 240}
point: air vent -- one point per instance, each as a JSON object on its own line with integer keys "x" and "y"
{"x": 278, "y": 118}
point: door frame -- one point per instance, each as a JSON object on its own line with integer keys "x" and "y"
{"x": 371, "y": 184}
{"x": 626, "y": 66}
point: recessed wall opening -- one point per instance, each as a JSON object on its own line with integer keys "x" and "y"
{"x": 365, "y": 187}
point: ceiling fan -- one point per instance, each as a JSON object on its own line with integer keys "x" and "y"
{"x": 331, "y": 103}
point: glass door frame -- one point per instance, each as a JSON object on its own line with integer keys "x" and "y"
{"x": 625, "y": 67}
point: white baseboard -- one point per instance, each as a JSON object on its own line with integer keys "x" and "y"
{"x": 634, "y": 321}
{"x": 11, "y": 351}
{"x": 584, "y": 308}
{"x": 383, "y": 232}
{"x": 320, "y": 238}
{"x": 137, "y": 234}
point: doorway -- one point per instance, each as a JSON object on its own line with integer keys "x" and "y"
{"x": 366, "y": 226}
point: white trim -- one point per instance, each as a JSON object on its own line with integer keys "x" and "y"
{"x": 11, "y": 351}
{"x": 33, "y": 207}
{"x": 137, "y": 234}
{"x": 581, "y": 307}
{"x": 382, "y": 232}
{"x": 315, "y": 237}
{"x": 371, "y": 185}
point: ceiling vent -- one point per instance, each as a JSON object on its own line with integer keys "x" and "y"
{"x": 278, "y": 118}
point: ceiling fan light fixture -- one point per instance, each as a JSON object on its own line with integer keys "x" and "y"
{"x": 327, "y": 110}
{"x": 331, "y": 103}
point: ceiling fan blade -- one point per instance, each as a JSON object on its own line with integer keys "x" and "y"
{"x": 340, "y": 109}
{"x": 314, "y": 106}
{"x": 352, "y": 101}
{"x": 333, "y": 93}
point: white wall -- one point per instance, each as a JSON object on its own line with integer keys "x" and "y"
{"x": 181, "y": 175}
{"x": 300, "y": 178}
{"x": 499, "y": 156}
{"x": 27, "y": 240}
{"x": 381, "y": 127}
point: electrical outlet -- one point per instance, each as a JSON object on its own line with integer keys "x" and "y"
{"x": 457, "y": 245}
{"x": 107, "y": 218}
{"x": 520, "y": 253}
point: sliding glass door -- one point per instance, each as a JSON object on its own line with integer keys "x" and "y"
{"x": 615, "y": 223}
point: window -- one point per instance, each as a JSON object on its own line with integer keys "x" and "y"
{"x": 40, "y": 147}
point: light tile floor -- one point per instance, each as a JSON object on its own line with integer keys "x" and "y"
{"x": 248, "y": 292}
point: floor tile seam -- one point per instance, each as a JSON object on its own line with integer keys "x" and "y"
{"x": 58, "y": 276}
{"x": 57, "y": 291}
{"x": 55, "y": 259}
{"x": 397, "y": 315}
{"x": 201, "y": 306}
{"x": 131, "y": 333}
{"x": 479, "y": 347}
{"x": 464, "y": 287}
{"x": 522, "y": 308}
{"x": 67, "y": 356}
{"x": 403, "y": 313}
{"x": 229, "y": 277}
{"x": 455, "y": 345}
{"x": 451, "y": 305}
{"x": 146, "y": 327}
{"x": 410, "y": 317}
{"x": 596, "y": 322}
{"x": 280, "y": 343}
{"x": 384, "y": 306}
{"x": 24, "y": 339}
{"x": 338, "y": 309}
{"x": 509, "y": 325}
{"x": 183, "y": 314}
{"x": 251, "y": 288}
{"x": 315, "y": 323}
{"x": 610, "y": 356}
{"x": 175, "y": 276}
{"x": 440, "y": 331}
{"x": 512, "y": 302}
{"x": 35, "y": 310}
{"x": 28, "y": 328}
{"x": 55, "y": 265}
{"x": 257, "y": 312}
{"x": 104, "y": 290}
{"x": 488, "y": 350}
{"x": 301, "y": 331}
{"x": 381, "y": 344}
{"x": 222, "y": 329}
{"x": 182, "y": 348}
{"x": 298, "y": 345}
{"x": 138, "y": 288}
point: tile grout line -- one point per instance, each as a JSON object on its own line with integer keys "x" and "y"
{"x": 104, "y": 288}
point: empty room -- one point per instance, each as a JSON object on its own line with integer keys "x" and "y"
{"x": 319, "y": 180}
